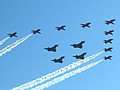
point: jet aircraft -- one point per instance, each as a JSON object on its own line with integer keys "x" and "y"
{"x": 82, "y": 56}
{"x": 60, "y": 28}
{"x": 108, "y": 57}
{"x": 79, "y": 45}
{"x": 59, "y": 60}
{"x": 108, "y": 41}
{"x": 53, "y": 48}
{"x": 13, "y": 34}
{"x": 108, "y": 49}
{"x": 36, "y": 31}
{"x": 86, "y": 25}
{"x": 109, "y": 32}
{"x": 110, "y": 21}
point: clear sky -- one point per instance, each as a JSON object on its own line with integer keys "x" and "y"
{"x": 29, "y": 60}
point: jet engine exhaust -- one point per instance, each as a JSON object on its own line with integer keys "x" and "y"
{"x": 2, "y": 41}
{"x": 55, "y": 73}
{"x": 13, "y": 45}
{"x": 65, "y": 76}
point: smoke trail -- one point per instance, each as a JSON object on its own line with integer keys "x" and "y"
{"x": 1, "y": 42}
{"x": 11, "y": 46}
{"x": 65, "y": 76}
{"x": 55, "y": 73}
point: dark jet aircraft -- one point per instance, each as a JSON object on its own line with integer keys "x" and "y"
{"x": 108, "y": 49}
{"x": 80, "y": 56}
{"x": 13, "y": 34}
{"x": 109, "y": 32}
{"x": 36, "y": 31}
{"x": 60, "y": 28}
{"x": 108, "y": 41}
{"x": 59, "y": 60}
{"x": 110, "y": 21}
{"x": 108, "y": 57}
{"x": 86, "y": 25}
{"x": 53, "y": 49}
{"x": 79, "y": 45}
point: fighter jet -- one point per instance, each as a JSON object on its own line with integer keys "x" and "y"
{"x": 110, "y": 21}
{"x": 80, "y": 56}
{"x": 86, "y": 25}
{"x": 53, "y": 49}
{"x": 108, "y": 49}
{"x": 109, "y": 32}
{"x": 79, "y": 45}
{"x": 108, "y": 41}
{"x": 13, "y": 34}
{"x": 60, "y": 28}
{"x": 59, "y": 60}
{"x": 108, "y": 57}
{"x": 36, "y": 31}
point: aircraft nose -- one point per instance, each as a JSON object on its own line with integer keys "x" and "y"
{"x": 74, "y": 56}
{"x": 57, "y": 45}
{"x": 83, "y": 41}
{"x": 63, "y": 56}
{"x": 45, "y": 48}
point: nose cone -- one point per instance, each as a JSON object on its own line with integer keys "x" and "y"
{"x": 72, "y": 45}
{"x": 46, "y": 48}
{"x": 83, "y": 41}
{"x": 56, "y": 45}
{"x": 52, "y": 60}
{"x": 85, "y": 53}
{"x": 75, "y": 56}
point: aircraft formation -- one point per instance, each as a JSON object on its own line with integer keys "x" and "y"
{"x": 54, "y": 48}
{"x": 76, "y": 45}
{"x": 109, "y": 41}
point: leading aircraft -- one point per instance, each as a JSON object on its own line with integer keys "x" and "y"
{"x": 110, "y": 21}
{"x": 59, "y": 60}
{"x": 82, "y": 56}
{"x": 13, "y": 34}
{"x": 60, "y": 28}
{"x": 109, "y": 32}
{"x": 108, "y": 57}
{"x": 108, "y": 41}
{"x": 108, "y": 49}
{"x": 79, "y": 45}
{"x": 86, "y": 25}
{"x": 36, "y": 31}
{"x": 53, "y": 48}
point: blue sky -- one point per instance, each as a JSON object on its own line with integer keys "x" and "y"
{"x": 29, "y": 60}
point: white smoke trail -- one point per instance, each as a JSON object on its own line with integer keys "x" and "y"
{"x": 11, "y": 46}
{"x": 1, "y": 42}
{"x": 65, "y": 76}
{"x": 55, "y": 73}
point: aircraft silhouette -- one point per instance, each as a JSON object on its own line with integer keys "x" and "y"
{"x": 79, "y": 45}
{"x": 13, "y": 34}
{"x": 59, "y": 60}
{"x": 108, "y": 57}
{"x": 108, "y": 49}
{"x": 80, "y": 56}
{"x": 86, "y": 25}
{"x": 109, "y": 32}
{"x": 53, "y": 48}
{"x": 36, "y": 31}
{"x": 60, "y": 28}
{"x": 110, "y": 21}
{"x": 108, "y": 41}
